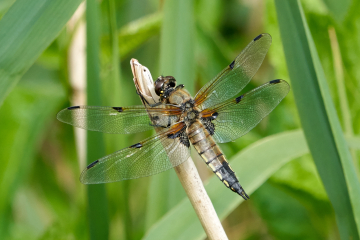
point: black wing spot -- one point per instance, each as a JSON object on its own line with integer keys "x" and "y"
{"x": 173, "y": 135}
{"x": 232, "y": 64}
{"x": 73, "y": 107}
{"x": 214, "y": 115}
{"x": 238, "y": 99}
{"x": 258, "y": 37}
{"x": 183, "y": 137}
{"x": 92, "y": 164}
{"x": 274, "y": 81}
{"x": 136, "y": 145}
{"x": 119, "y": 109}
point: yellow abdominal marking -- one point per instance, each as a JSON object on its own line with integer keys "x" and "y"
{"x": 212, "y": 167}
{"x": 226, "y": 183}
{"x": 219, "y": 175}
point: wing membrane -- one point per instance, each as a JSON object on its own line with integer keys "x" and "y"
{"x": 236, "y": 76}
{"x": 123, "y": 120}
{"x": 151, "y": 156}
{"x": 238, "y": 116}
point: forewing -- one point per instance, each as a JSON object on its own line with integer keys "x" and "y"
{"x": 123, "y": 120}
{"x": 151, "y": 156}
{"x": 238, "y": 116}
{"x": 236, "y": 76}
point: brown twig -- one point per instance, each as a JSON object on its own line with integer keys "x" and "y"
{"x": 186, "y": 172}
{"x": 77, "y": 74}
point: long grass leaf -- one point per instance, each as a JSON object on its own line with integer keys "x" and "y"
{"x": 348, "y": 165}
{"x": 338, "y": 9}
{"x": 38, "y": 101}
{"x": 26, "y": 30}
{"x": 341, "y": 89}
{"x": 97, "y": 202}
{"x": 132, "y": 35}
{"x": 317, "y": 114}
{"x": 111, "y": 92}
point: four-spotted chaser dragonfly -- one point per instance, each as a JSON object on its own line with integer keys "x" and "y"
{"x": 217, "y": 114}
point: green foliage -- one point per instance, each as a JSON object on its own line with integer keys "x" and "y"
{"x": 318, "y": 117}
{"x": 296, "y": 164}
{"x": 25, "y": 31}
{"x": 95, "y": 148}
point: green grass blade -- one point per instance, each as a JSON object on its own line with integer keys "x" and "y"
{"x": 338, "y": 9}
{"x": 97, "y": 202}
{"x": 254, "y": 165}
{"x": 341, "y": 89}
{"x": 348, "y": 166}
{"x": 177, "y": 58}
{"x": 114, "y": 95}
{"x": 354, "y": 142}
{"x": 132, "y": 35}
{"x": 26, "y": 30}
{"x": 39, "y": 100}
{"x": 318, "y": 116}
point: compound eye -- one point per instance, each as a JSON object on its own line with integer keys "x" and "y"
{"x": 172, "y": 84}
{"x": 159, "y": 85}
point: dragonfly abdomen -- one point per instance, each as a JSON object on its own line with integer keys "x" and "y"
{"x": 213, "y": 157}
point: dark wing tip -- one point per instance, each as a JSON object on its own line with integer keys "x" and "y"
{"x": 73, "y": 107}
{"x": 283, "y": 83}
{"x": 275, "y": 81}
{"x": 92, "y": 164}
{"x": 258, "y": 37}
{"x": 261, "y": 36}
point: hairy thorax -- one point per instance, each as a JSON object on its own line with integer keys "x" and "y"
{"x": 190, "y": 113}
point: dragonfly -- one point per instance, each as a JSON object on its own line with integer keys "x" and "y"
{"x": 217, "y": 114}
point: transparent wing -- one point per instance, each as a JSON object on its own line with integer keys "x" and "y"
{"x": 151, "y": 156}
{"x": 238, "y": 116}
{"x": 236, "y": 76}
{"x": 123, "y": 120}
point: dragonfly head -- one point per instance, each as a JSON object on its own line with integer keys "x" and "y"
{"x": 164, "y": 86}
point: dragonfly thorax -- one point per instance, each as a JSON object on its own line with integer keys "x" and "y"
{"x": 190, "y": 113}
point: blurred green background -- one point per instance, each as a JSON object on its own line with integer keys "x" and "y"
{"x": 300, "y": 164}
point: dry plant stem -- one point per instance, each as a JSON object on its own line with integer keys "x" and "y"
{"x": 77, "y": 74}
{"x": 186, "y": 172}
